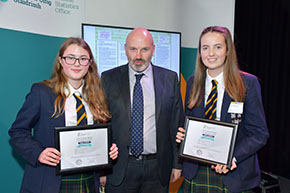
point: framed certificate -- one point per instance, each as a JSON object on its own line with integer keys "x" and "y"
{"x": 209, "y": 141}
{"x": 83, "y": 148}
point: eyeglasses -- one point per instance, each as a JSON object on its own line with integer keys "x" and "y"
{"x": 70, "y": 60}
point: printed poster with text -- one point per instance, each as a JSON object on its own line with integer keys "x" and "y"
{"x": 61, "y": 18}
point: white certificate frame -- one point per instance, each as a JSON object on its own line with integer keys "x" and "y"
{"x": 83, "y": 148}
{"x": 209, "y": 141}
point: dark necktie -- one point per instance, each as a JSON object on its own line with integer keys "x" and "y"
{"x": 210, "y": 107}
{"x": 81, "y": 112}
{"x": 137, "y": 118}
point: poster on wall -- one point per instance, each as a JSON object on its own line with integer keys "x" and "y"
{"x": 61, "y": 18}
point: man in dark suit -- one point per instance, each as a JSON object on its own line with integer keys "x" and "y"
{"x": 157, "y": 163}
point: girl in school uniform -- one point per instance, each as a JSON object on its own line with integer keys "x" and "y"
{"x": 52, "y": 103}
{"x": 217, "y": 84}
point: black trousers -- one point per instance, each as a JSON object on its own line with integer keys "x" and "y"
{"x": 141, "y": 177}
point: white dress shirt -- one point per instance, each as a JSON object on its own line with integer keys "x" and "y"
{"x": 220, "y": 91}
{"x": 149, "y": 128}
{"x": 70, "y": 107}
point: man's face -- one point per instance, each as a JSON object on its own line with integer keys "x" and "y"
{"x": 139, "y": 49}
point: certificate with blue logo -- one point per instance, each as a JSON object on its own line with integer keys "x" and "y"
{"x": 83, "y": 148}
{"x": 209, "y": 141}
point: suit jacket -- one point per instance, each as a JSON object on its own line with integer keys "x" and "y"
{"x": 168, "y": 111}
{"x": 36, "y": 113}
{"x": 252, "y": 135}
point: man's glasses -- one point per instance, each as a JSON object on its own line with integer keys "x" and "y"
{"x": 71, "y": 60}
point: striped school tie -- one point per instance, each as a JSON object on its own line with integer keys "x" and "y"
{"x": 210, "y": 106}
{"x": 81, "y": 112}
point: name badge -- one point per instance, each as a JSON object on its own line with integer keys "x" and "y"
{"x": 236, "y": 107}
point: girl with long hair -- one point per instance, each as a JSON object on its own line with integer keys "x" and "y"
{"x": 217, "y": 86}
{"x": 52, "y": 103}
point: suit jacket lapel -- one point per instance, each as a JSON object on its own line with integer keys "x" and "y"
{"x": 125, "y": 90}
{"x": 158, "y": 88}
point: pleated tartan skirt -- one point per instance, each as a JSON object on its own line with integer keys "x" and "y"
{"x": 206, "y": 181}
{"x": 78, "y": 183}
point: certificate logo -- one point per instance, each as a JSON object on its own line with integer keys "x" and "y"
{"x": 199, "y": 152}
{"x": 79, "y": 162}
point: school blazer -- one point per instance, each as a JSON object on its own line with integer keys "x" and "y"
{"x": 252, "y": 135}
{"x": 36, "y": 113}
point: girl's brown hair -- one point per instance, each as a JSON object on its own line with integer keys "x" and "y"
{"x": 95, "y": 96}
{"x": 234, "y": 85}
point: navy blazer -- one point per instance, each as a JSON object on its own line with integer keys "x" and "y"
{"x": 35, "y": 117}
{"x": 252, "y": 135}
{"x": 168, "y": 112}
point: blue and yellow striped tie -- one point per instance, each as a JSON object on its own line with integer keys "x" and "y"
{"x": 210, "y": 106}
{"x": 81, "y": 112}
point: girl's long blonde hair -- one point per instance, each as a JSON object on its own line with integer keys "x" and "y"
{"x": 95, "y": 96}
{"x": 234, "y": 85}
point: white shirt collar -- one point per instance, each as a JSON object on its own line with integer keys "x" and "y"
{"x": 147, "y": 72}
{"x": 71, "y": 90}
{"x": 219, "y": 78}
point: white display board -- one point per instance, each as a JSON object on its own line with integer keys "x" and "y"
{"x": 59, "y": 18}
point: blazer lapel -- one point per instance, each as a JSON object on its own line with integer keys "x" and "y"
{"x": 225, "y": 106}
{"x": 59, "y": 121}
{"x": 200, "y": 110}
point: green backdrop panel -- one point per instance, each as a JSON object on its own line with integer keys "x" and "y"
{"x": 25, "y": 58}
{"x": 188, "y": 60}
